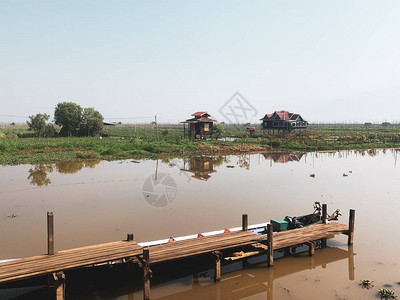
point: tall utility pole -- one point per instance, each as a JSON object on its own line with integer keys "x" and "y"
{"x": 155, "y": 121}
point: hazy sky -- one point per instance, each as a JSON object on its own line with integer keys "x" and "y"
{"x": 327, "y": 60}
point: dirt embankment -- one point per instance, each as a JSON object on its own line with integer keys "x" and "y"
{"x": 230, "y": 149}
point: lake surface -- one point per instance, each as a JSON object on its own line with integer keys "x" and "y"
{"x": 100, "y": 201}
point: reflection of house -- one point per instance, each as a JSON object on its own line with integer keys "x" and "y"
{"x": 283, "y": 157}
{"x": 200, "y": 125}
{"x": 283, "y": 120}
{"x": 201, "y": 166}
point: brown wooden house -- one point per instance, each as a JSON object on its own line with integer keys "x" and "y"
{"x": 200, "y": 126}
{"x": 283, "y": 121}
{"x": 252, "y": 131}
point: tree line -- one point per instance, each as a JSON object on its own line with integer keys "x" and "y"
{"x": 73, "y": 119}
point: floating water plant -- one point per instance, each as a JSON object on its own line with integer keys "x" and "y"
{"x": 366, "y": 284}
{"x": 387, "y": 294}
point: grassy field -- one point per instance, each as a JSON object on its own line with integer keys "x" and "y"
{"x": 146, "y": 141}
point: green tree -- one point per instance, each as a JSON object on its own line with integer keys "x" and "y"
{"x": 92, "y": 122}
{"x": 49, "y": 131}
{"x": 37, "y": 123}
{"x": 219, "y": 131}
{"x": 68, "y": 115}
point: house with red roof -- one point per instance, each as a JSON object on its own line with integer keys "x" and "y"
{"x": 200, "y": 126}
{"x": 283, "y": 120}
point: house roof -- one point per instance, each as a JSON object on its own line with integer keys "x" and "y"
{"x": 281, "y": 115}
{"x": 199, "y": 113}
{"x": 199, "y": 120}
{"x": 200, "y": 116}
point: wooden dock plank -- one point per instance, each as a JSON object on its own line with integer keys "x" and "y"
{"x": 68, "y": 255}
{"x": 89, "y": 255}
{"x": 37, "y": 258}
{"x": 192, "y": 247}
{"x": 63, "y": 257}
{"x": 202, "y": 245}
{"x": 67, "y": 259}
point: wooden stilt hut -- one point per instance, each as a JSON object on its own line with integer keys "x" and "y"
{"x": 199, "y": 127}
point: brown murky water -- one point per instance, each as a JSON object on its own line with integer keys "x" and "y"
{"x": 96, "y": 202}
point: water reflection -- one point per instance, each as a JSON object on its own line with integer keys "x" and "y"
{"x": 71, "y": 167}
{"x": 279, "y": 157}
{"x": 256, "y": 279}
{"x": 202, "y": 166}
{"x": 38, "y": 174}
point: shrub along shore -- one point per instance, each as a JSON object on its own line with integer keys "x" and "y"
{"x": 133, "y": 142}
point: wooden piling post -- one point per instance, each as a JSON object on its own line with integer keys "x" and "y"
{"x": 270, "y": 254}
{"x": 270, "y": 279}
{"x": 217, "y": 265}
{"x": 56, "y": 285}
{"x": 146, "y": 274}
{"x": 324, "y": 213}
{"x": 50, "y": 233}
{"x": 351, "y": 263}
{"x": 129, "y": 237}
{"x": 312, "y": 265}
{"x": 245, "y": 222}
{"x": 60, "y": 291}
{"x": 352, "y": 216}
{"x": 311, "y": 248}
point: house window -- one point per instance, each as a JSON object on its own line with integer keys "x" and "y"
{"x": 293, "y": 124}
{"x": 275, "y": 124}
{"x": 206, "y": 127}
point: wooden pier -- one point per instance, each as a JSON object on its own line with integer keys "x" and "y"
{"x": 218, "y": 246}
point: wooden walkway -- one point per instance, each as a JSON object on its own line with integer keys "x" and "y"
{"x": 67, "y": 259}
{"x": 223, "y": 241}
{"x": 55, "y": 263}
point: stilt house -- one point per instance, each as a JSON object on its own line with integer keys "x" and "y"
{"x": 200, "y": 126}
{"x": 284, "y": 121}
